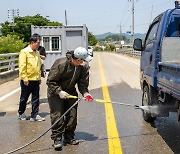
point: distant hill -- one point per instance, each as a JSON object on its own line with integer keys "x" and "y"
{"x": 136, "y": 35}
{"x": 102, "y": 36}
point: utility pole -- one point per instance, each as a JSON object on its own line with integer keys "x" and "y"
{"x": 121, "y": 42}
{"x": 132, "y": 33}
{"x": 65, "y": 18}
{"x": 132, "y": 21}
{"x": 151, "y": 14}
{"x": 120, "y": 31}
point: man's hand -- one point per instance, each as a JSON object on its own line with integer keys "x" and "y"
{"x": 88, "y": 97}
{"x": 63, "y": 94}
{"x": 26, "y": 83}
{"x": 42, "y": 57}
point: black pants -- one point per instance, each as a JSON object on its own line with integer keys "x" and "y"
{"x": 67, "y": 125}
{"x": 32, "y": 88}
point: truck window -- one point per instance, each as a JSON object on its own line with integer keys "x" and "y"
{"x": 173, "y": 29}
{"x": 152, "y": 33}
{"x": 170, "y": 44}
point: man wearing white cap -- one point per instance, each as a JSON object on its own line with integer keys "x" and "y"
{"x": 62, "y": 78}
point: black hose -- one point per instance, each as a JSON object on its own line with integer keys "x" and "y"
{"x": 45, "y": 131}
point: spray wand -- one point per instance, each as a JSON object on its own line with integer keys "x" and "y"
{"x": 104, "y": 101}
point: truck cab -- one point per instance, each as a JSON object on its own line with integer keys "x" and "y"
{"x": 160, "y": 64}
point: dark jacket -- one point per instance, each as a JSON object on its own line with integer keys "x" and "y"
{"x": 42, "y": 51}
{"x": 61, "y": 78}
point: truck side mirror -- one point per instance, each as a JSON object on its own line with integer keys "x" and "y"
{"x": 137, "y": 45}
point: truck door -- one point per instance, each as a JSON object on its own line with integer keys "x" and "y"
{"x": 149, "y": 53}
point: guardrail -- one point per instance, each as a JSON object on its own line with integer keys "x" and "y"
{"x": 133, "y": 53}
{"x": 8, "y": 62}
{"x": 8, "y": 67}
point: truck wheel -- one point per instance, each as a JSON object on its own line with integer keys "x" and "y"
{"x": 147, "y": 99}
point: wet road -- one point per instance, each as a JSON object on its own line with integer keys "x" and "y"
{"x": 99, "y": 126}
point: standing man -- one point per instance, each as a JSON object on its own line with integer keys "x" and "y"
{"x": 62, "y": 78}
{"x": 42, "y": 53}
{"x": 30, "y": 78}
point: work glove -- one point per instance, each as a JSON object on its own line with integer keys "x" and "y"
{"x": 63, "y": 94}
{"x": 88, "y": 97}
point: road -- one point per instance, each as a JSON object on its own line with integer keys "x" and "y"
{"x": 102, "y": 128}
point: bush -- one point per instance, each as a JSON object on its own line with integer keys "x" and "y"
{"x": 11, "y": 43}
{"x": 110, "y": 47}
{"x": 98, "y": 49}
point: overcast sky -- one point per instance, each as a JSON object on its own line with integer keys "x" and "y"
{"x": 100, "y": 16}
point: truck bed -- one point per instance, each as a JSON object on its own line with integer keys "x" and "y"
{"x": 168, "y": 78}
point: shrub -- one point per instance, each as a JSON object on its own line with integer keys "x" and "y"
{"x": 11, "y": 43}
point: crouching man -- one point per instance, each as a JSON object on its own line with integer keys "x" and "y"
{"x": 62, "y": 78}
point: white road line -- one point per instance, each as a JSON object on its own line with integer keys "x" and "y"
{"x": 9, "y": 94}
{"x": 128, "y": 59}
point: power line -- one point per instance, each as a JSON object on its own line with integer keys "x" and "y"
{"x": 125, "y": 8}
{"x": 93, "y": 17}
{"x": 160, "y": 5}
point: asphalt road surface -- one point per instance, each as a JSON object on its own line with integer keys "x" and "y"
{"x": 102, "y": 128}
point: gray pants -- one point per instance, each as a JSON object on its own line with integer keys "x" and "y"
{"x": 67, "y": 125}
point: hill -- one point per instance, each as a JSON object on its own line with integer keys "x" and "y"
{"x": 136, "y": 35}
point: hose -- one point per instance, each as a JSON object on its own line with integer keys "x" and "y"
{"x": 73, "y": 97}
{"x": 44, "y": 131}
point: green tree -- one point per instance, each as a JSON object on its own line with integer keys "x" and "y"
{"x": 91, "y": 39}
{"x": 11, "y": 43}
{"x": 110, "y": 47}
{"x": 22, "y": 27}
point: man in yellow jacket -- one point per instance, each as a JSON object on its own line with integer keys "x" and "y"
{"x": 30, "y": 78}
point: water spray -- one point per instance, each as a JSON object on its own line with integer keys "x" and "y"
{"x": 153, "y": 110}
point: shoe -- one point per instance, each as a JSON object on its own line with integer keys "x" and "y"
{"x": 71, "y": 142}
{"x": 22, "y": 116}
{"x": 57, "y": 145}
{"x": 37, "y": 118}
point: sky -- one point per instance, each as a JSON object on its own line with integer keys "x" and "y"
{"x": 100, "y": 16}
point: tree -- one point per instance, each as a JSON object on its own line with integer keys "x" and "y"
{"x": 91, "y": 39}
{"x": 22, "y": 27}
{"x": 11, "y": 43}
{"x": 110, "y": 47}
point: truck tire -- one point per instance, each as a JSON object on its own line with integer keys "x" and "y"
{"x": 149, "y": 97}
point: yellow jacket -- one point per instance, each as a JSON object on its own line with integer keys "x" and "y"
{"x": 29, "y": 64}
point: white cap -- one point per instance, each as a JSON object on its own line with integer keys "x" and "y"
{"x": 82, "y": 53}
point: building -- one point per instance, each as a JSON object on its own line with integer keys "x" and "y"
{"x": 57, "y": 40}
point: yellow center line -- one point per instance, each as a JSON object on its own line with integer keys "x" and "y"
{"x": 112, "y": 133}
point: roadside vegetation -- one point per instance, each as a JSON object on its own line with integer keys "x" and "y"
{"x": 16, "y": 36}
{"x": 11, "y": 43}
